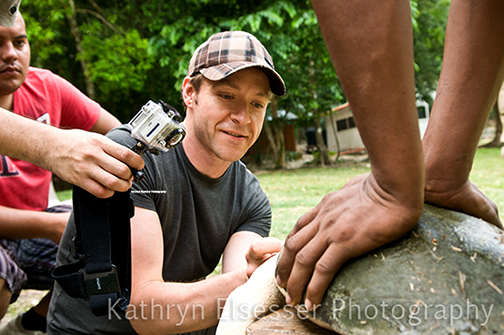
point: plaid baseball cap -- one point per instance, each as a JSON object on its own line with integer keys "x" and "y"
{"x": 228, "y": 52}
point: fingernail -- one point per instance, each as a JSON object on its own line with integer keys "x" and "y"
{"x": 288, "y": 299}
{"x": 279, "y": 281}
{"x": 308, "y": 304}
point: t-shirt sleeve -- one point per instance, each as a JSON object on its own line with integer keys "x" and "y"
{"x": 257, "y": 216}
{"x": 77, "y": 110}
{"x": 140, "y": 196}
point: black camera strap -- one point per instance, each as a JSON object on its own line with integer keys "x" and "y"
{"x": 102, "y": 247}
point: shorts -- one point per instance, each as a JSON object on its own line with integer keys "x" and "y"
{"x": 28, "y": 263}
{"x": 11, "y": 272}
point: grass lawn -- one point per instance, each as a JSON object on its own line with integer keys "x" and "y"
{"x": 488, "y": 174}
{"x": 293, "y": 192}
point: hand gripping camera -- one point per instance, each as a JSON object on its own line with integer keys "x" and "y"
{"x": 102, "y": 243}
{"x": 157, "y": 128}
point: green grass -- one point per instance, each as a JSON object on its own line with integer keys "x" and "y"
{"x": 488, "y": 174}
{"x": 293, "y": 192}
{"x": 64, "y": 195}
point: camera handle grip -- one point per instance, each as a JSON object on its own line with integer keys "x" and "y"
{"x": 140, "y": 148}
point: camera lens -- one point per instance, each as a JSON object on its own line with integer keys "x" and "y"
{"x": 175, "y": 140}
{"x": 176, "y": 136}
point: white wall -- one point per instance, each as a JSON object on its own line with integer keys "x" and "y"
{"x": 350, "y": 138}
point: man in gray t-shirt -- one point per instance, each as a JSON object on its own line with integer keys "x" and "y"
{"x": 197, "y": 202}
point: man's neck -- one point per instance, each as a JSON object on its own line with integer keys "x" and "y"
{"x": 207, "y": 164}
{"x": 7, "y": 101}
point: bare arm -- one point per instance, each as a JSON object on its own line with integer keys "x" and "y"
{"x": 471, "y": 76}
{"x": 88, "y": 160}
{"x": 194, "y": 306}
{"x": 20, "y": 223}
{"x": 105, "y": 122}
{"x": 243, "y": 246}
{"x": 370, "y": 43}
{"x": 200, "y": 300}
{"x": 234, "y": 255}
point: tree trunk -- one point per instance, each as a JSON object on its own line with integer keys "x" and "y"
{"x": 335, "y": 132}
{"x": 274, "y": 132}
{"x": 496, "y": 142}
{"x": 271, "y": 139}
{"x": 322, "y": 148}
{"x": 498, "y": 124}
{"x": 71, "y": 16}
{"x": 500, "y": 110}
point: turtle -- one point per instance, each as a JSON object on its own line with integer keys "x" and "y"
{"x": 445, "y": 276}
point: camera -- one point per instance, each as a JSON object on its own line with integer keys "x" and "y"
{"x": 157, "y": 128}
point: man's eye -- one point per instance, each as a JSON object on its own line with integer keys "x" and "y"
{"x": 226, "y": 96}
{"x": 19, "y": 43}
{"x": 258, "y": 105}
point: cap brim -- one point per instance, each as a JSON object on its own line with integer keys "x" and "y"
{"x": 222, "y": 71}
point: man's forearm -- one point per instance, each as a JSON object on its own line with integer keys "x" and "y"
{"x": 23, "y": 138}
{"x": 375, "y": 66}
{"x": 19, "y": 223}
{"x": 180, "y": 307}
{"x": 471, "y": 77}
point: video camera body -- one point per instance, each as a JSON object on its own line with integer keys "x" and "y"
{"x": 157, "y": 128}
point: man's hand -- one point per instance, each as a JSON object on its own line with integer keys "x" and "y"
{"x": 261, "y": 250}
{"x": 466, "y": 198}
{"x": 92, "y": 162}
{"x": 347, "y": 223}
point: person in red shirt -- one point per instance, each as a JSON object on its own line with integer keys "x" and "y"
{"x": 30, "y": 232}
{"x": 88, "y": 160}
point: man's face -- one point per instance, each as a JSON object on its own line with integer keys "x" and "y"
{"x": 14, "y": 56}
{"x": 228, "y": 114}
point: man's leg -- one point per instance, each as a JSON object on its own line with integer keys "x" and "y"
{"x": 12, "y": 279}
{"x": 5, "y": 297}
{"x": 37, "y": 257}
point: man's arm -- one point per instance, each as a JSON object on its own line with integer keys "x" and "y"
{"x": 20, "y": 223}
{"x": 105, "y": 122}
{"x": 471, "y": 77}
{"x": 234, "y": 254}
{"x": 194, "y": 305}
{"x": 242, "y": 245}
{"x": 370, "y": 43}
{"x": 88, "y": 160}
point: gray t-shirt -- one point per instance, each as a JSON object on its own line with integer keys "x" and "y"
{"x": 198, "y": 216}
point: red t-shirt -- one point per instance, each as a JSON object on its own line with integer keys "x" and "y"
{"x": 50, "y": 99}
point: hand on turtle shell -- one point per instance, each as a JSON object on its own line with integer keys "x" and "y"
{"x": 358, "y": 218}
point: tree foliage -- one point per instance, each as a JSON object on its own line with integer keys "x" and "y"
{"x": 140, "y": 50}
{"x": 429, "y": 26}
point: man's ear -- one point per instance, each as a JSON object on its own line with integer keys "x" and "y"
{"x": 188, "y": 92}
